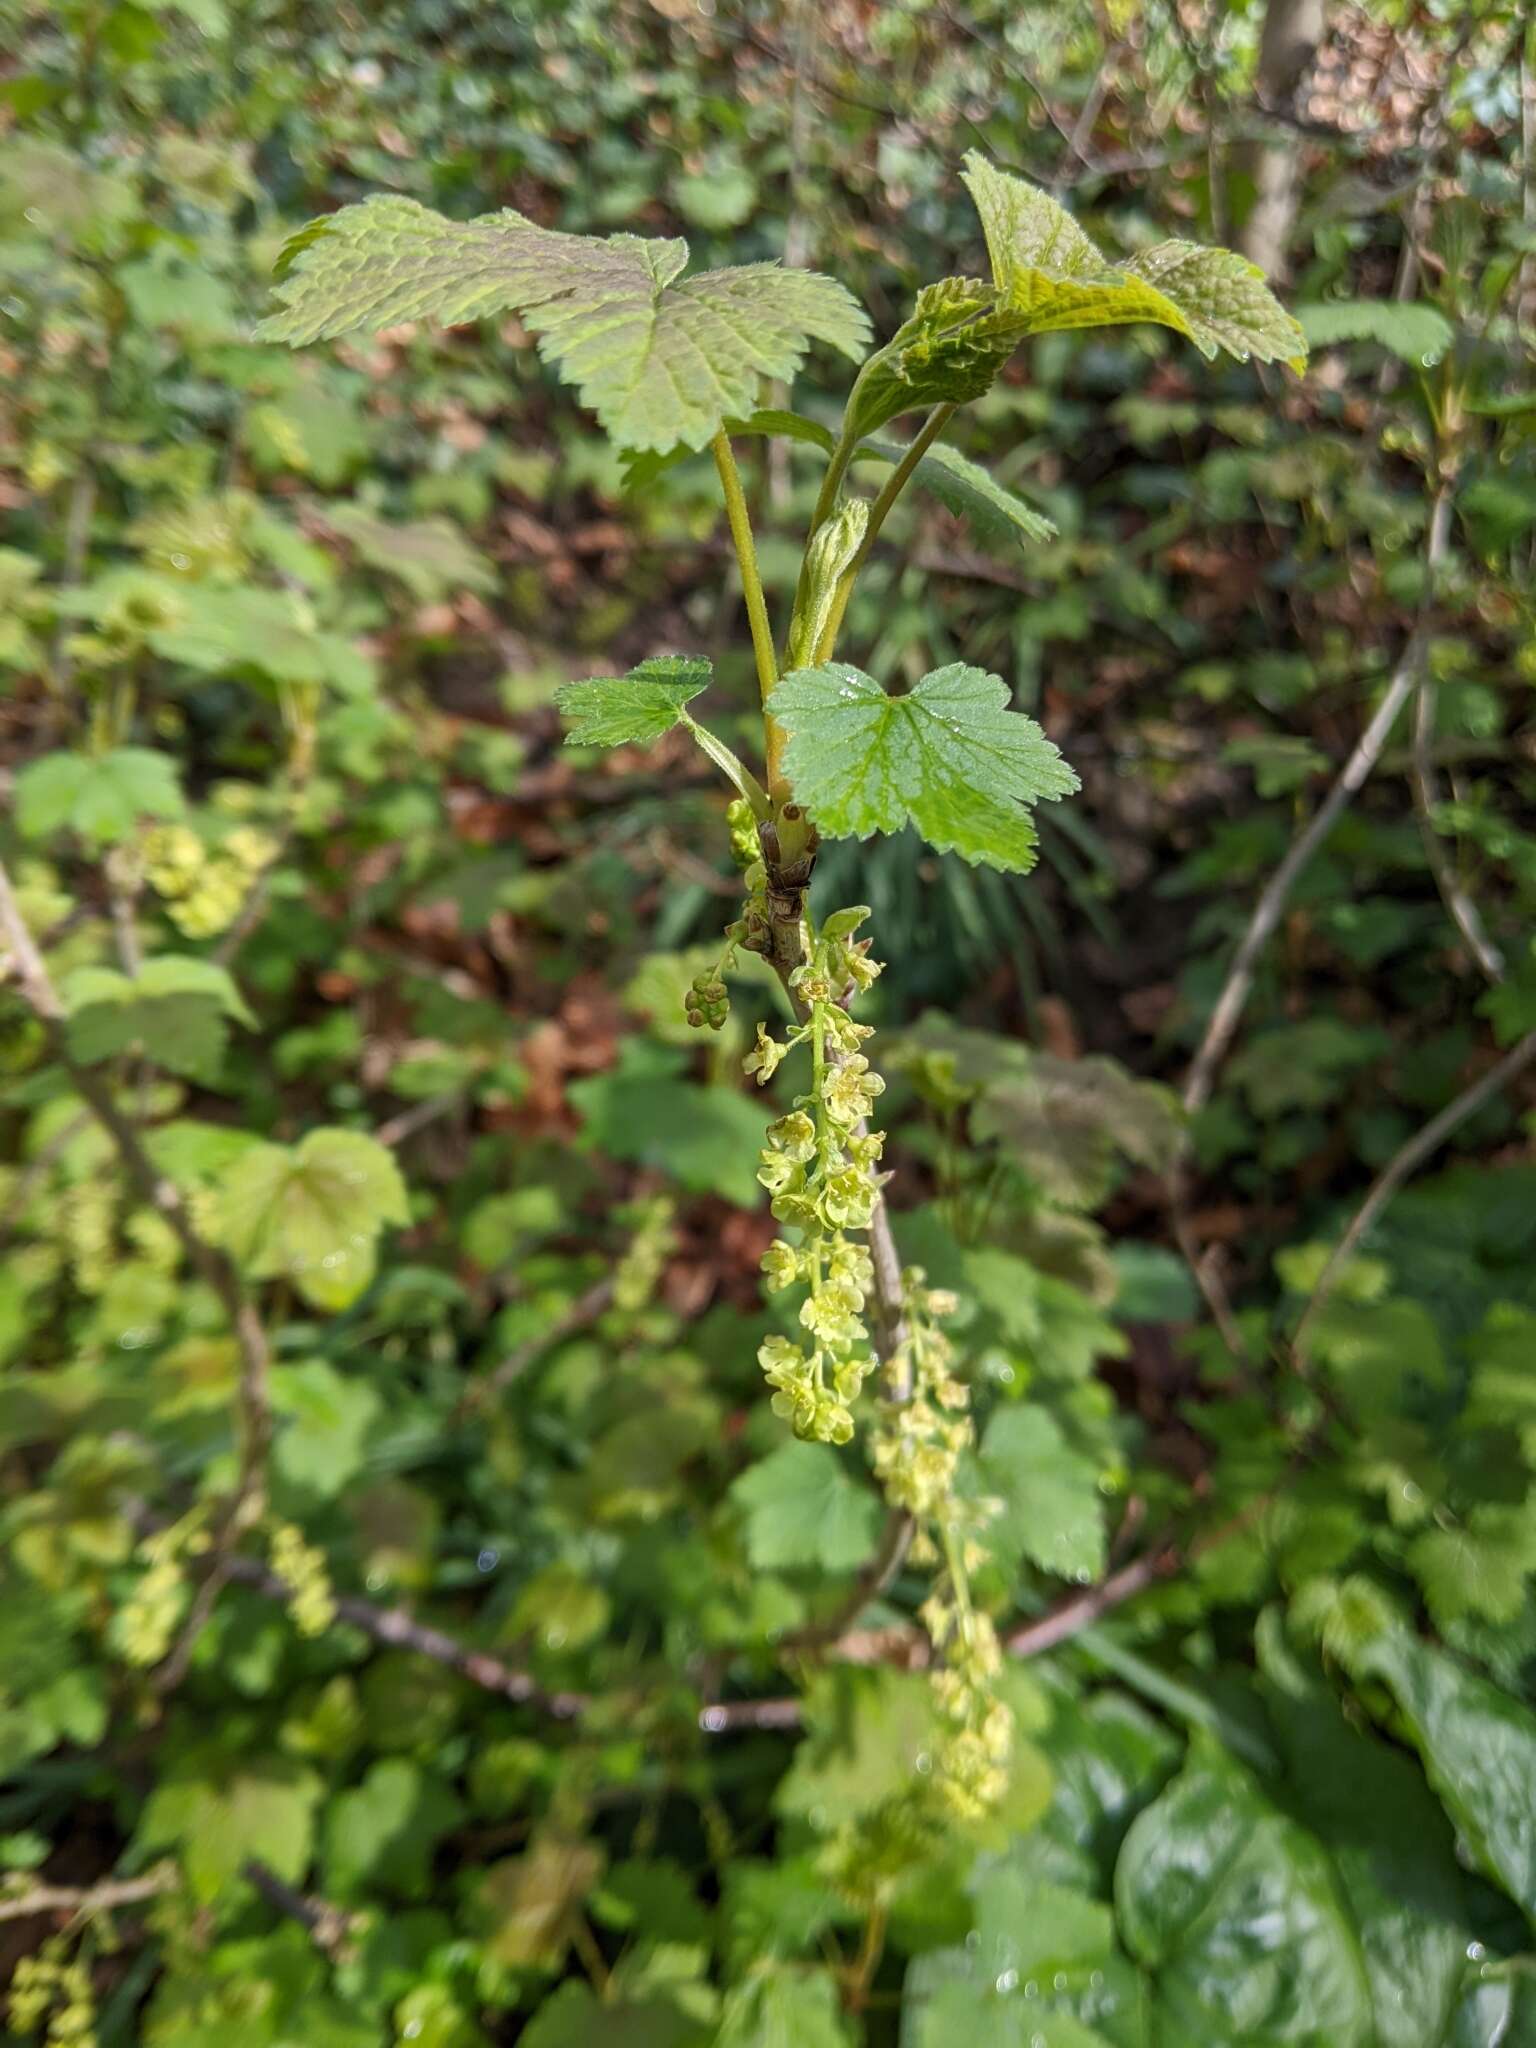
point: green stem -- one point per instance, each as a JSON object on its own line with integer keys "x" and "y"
{"x": 959, "y": 1577}
{"x": 740, "y": 777}
{"x": 831, "y": 484}
{"x": 895, "y": 484}
{"x": 752, "y": 589}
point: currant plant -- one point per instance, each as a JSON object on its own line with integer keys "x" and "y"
{"x": 672, "y": 363}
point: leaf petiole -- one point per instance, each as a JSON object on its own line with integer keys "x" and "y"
{"x": 735, "y": 771}
{"x": 752, "y": 589}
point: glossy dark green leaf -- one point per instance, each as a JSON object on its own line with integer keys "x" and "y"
{"x": 1390, "y": 1844}
{"x": 1479, "y": 1750}
{"x": 1234, "y": 1910}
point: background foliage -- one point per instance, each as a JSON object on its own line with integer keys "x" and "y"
{"x": 534, "y": 1704}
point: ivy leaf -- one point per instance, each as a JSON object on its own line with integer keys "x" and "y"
{"x": 1409, "y": 332}
{"x": 803, "y": 1509}
{"x": 312, "y": 1212}
{"x": 950, "y": 758}
{"x": 1479, "y": 1750}
{"x": 660, "y": 358}
{"x": 100, "y": 796}
{"x": 617, "y": 711}
{"x": 175, "y": 1011}
{"x": 1052, "y": 1513}
{"x": 1235, "y": 1909}
{"x": 1393, "y": 1849}
{"x": 1051, "y": 275}
{"x": 966, "y": 489}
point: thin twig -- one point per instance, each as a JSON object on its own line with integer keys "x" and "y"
{"x": 1351, "y": 778}
{"x": 82, "y": 1901}
{"x": 392, "y": 1625}
{"x": 417, "y": 1117}
{"x": 329, "y": 1927}
{"x": 1404, "y": 1163}
{"x": 214, "y": 1266}
{"x": 583, "y": 1311}
{"x": 874, "y": 1578}
{"x": 1426, "y": 795}
{"x": 1045, "y": 1631}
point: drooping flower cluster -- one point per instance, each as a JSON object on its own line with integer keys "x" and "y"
{"x": 146, "y": 1623}
{"x": 926, "y": 1424}
{"x": 55, "y": 1988}
{"x": 302, "y": 1568}
{"x": 203, "y": 887}
{"x": 925, "y": 1427}
{"x": 654, "y": 1241}
{"x": 821, "y": 1169}
{"x": 971, "y": 1767}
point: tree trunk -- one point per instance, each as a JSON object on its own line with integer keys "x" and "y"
{"x": 1292, "y": 31}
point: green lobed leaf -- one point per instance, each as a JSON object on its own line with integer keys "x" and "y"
{"x": 1067, "y": 1121}
{"x": 866, "y": 1731}
{"x": 970, "y": 492}
{"x": 175, "y": 1011}
{"x": 778, "y": 1908}
{"x": 707, "y": 1138}
{"x": 950, "y": 758}
{"x": 802, "y": 1508}
{"x": 327, "y": 1419}
{"x": 530, "y": 1900}
{"x": 617, "y": 711}
{"x": 660, "y": 358}
{"x": 947, "y": 351}
{"x": 1053, "y": 1512}
{"x": 1411, "y": 332}
{"x": 382, "y": 1833}
{"x": 312, "y": 1212}
{"x": 221, "y": 1811}
{"x": 1051, "y": 275}
{"x": 780, "y": 2008}
{"x": 100, "y": 796}
{"x": 1234, "y": 1909}
{"x": 1480, "y": 1566}
{"x": 429, "y": 556}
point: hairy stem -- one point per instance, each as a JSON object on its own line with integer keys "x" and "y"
{"x": 1403, "y": 1164}
{"x": 895, "y": 484}
{"x": 752, "y": 589}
